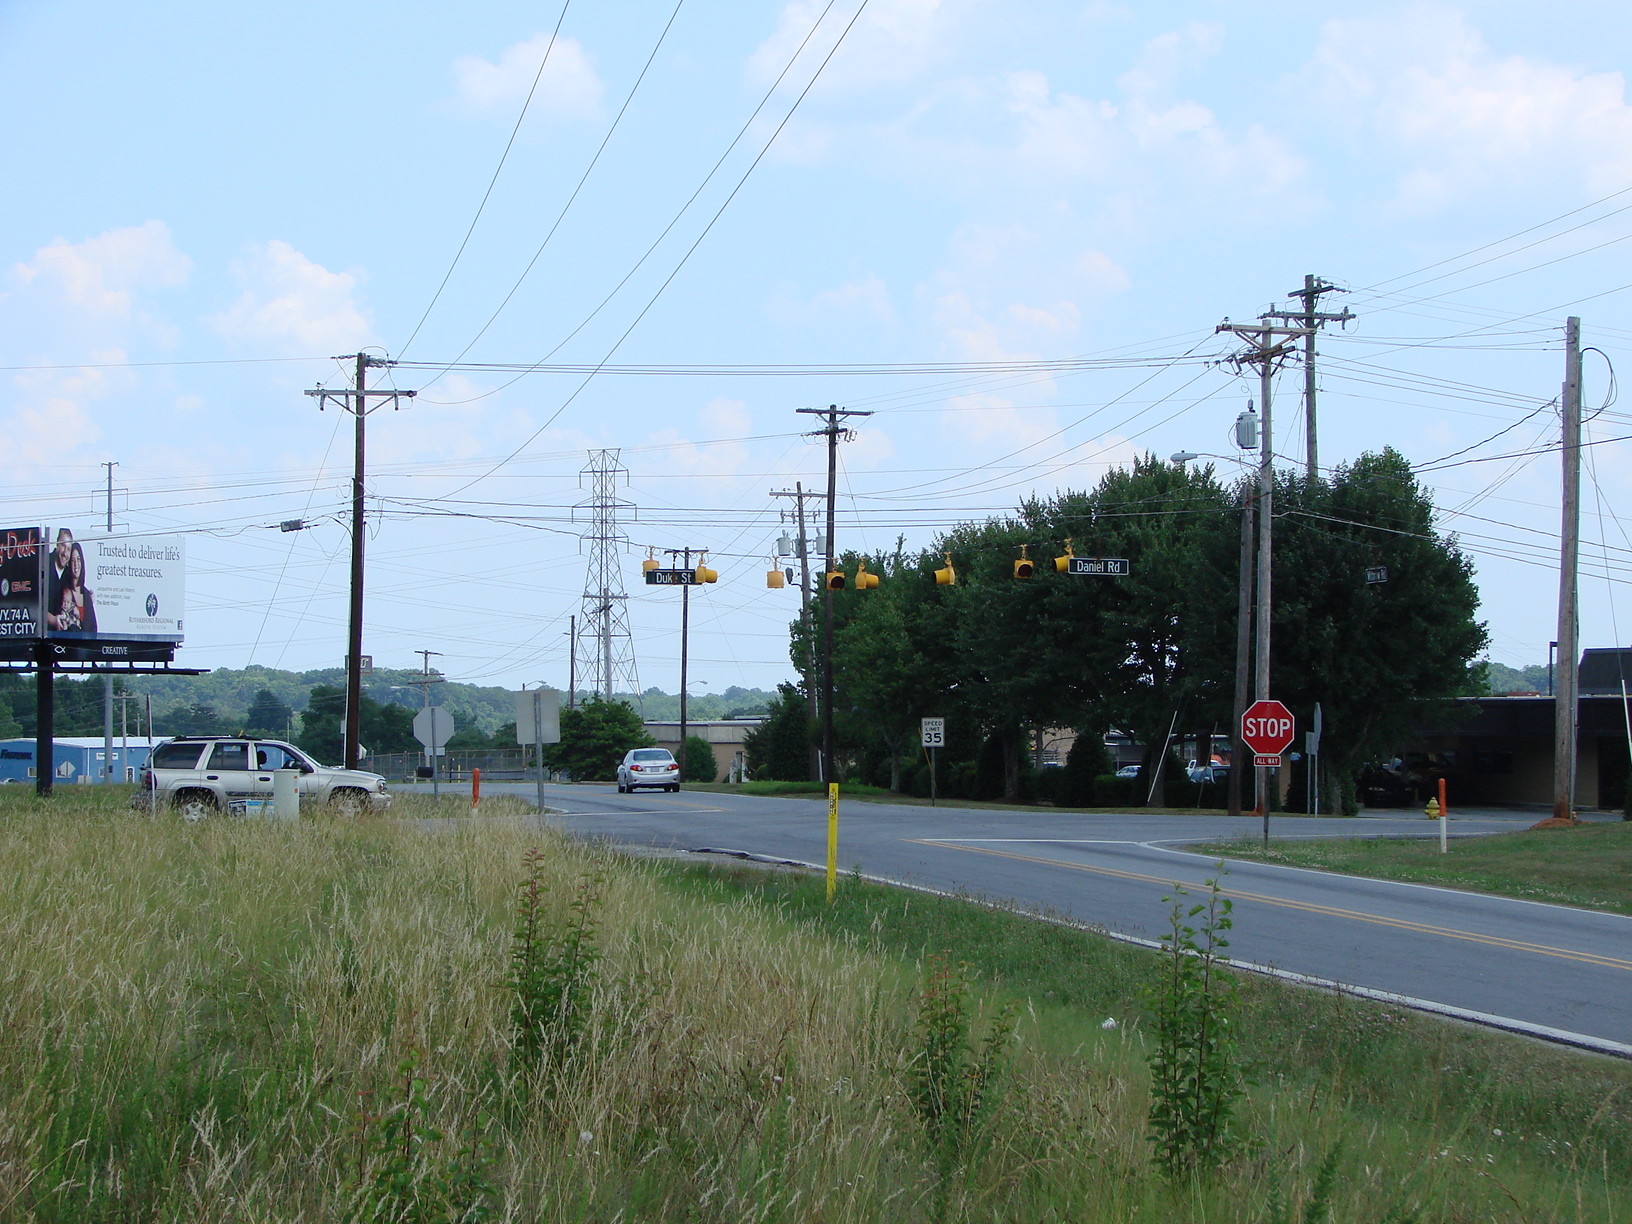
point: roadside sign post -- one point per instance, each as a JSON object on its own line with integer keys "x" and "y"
{"x": 933, "y": 731}
{"x": 832, "y": 839}
{"x": 1267, "y": 727}
{"x": 432, "y": 727}
{"x": 538, "y": 722}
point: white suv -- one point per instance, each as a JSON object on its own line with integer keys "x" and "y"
{"x": 200, "y": 775}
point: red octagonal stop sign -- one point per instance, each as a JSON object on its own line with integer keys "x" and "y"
{"x": 1267, "y": 728}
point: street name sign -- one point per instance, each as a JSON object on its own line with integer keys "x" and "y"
{"x": 671, "y": 577}
{"x": 1113, "y": 567}
{"x": 1267, "y": 728}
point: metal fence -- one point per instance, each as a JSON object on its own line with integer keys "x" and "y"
{"x": 505, "y": 764}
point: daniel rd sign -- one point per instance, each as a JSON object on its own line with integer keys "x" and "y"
{"x": 1267, "y": 728}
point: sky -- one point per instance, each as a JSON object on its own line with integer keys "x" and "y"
{"x": 1008, "y": 232}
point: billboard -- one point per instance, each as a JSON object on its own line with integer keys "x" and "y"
{"x": 22, "y": 557}
{"x": 128, "y": 588}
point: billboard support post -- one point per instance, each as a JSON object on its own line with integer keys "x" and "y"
{"x": 45, "y": 715}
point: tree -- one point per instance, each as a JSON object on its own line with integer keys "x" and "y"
{"x": 698, "y": 764}
{"x": 1371, "y": 652}
{"x": 268, "y": 716}
{"x": 594, "y": 737}
{"x": 779, "y": 748}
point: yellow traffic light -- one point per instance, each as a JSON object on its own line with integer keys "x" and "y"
{"x": 648, "y": 565}
{"x": 1063, "y": 564}
{"x": 864, "y": 580}
{"x": 835, "y": 581}
{"x": 704, "y": 574}
{"x": 1023, "y": 568}
{"x": 947, "y": 576}
{"x": 774, "y": 579}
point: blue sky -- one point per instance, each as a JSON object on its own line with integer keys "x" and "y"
{"x": 207, "y": 203}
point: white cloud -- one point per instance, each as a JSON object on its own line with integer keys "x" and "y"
{"x": 567, "y": 88}
{"x": 103, "y": 275}
{"x": 1463, "y": 118}
{"x": 50, "y": 419}
{"x": 293, "y": 305}
{"x": 865, "y": 303}
{"x": 1167, "y": 56}
{"x": 893, "y": 41}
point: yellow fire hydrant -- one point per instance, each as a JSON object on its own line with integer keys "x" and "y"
{"x": 1432, "y": 810}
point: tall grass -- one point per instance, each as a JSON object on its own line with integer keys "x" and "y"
{"x": 212, "y": 1022}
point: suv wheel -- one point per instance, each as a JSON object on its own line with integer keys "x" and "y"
{"x": 349, "y": 803}
{"x": 195, "y": 805}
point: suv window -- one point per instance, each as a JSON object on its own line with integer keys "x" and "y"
{"x": 175, "y": 756}
{"x": 276, "y": 756}
{"x": 233, "y": 755}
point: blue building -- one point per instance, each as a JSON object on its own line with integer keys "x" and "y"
{"x": 76, "y": 759}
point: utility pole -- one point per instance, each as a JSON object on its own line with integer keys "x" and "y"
{"x": 358, "y": 407}
{"x": 1266, "y": 351}
{"x": 806, "y": 598}
{"x": 685, "y": 630}
{"x": 1564, "y": 703}
{"x": 107, "y": 680}
{"x": 1313, "y": 288}
{"x": 1243, "y": 651}
{"x": 572, "y": 661}
{"x": 833, "y": 414}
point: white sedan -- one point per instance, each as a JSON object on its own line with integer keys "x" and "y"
{"x": 648, "y": 767}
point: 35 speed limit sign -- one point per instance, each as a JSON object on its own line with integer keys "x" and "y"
{"x": 934, "y": 732}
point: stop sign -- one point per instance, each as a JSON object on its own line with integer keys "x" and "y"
{"x": 1267, "y": 728}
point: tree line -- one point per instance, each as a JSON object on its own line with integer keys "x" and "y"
{"x": 1373, "y": 614}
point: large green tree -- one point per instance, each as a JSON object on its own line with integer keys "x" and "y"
{"x": 1370, "y": 652}
{"x": 779, "y": 748}
{"x": 594, "y": 737}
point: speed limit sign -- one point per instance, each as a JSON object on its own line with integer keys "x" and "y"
{"x": 934, "y": 732}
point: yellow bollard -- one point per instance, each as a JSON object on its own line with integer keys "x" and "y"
{"x": 1432, "y": 810}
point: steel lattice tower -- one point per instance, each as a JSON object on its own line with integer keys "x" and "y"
{"x": 604, "y": 649}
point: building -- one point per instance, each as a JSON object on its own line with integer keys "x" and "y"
{"x": 77, "y": 758}
{"x": 725, "y": 737}
{"x": 1499, "y": 750}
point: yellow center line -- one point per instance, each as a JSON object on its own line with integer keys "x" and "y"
{"x": 1400, "y": 924}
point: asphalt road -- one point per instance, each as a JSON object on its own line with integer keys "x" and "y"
{"x": 1550, "y": 970}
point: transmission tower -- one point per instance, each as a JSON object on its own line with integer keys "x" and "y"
{"x": 604, "y": 650}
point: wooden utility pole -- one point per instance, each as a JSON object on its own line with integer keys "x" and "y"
{"x": 359, "y": 396}
{"x": 833, "y": 414}
{"x": 1266, "y": 351}
{"x": 1243, "y": 654}
{"x": 1313, "y": 287}
{"x": 1564, "y": 700}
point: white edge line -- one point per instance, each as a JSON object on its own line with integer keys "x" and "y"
{"x": 1542, "y": 1032}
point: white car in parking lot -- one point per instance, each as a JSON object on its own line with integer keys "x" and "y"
{"x": 648, "y": 767}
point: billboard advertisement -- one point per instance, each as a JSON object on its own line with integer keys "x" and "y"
{"x": 129, "y": 588}
{"x": 22, "y": 557}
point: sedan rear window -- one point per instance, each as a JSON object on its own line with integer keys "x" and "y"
{"x": 652, "y": 754}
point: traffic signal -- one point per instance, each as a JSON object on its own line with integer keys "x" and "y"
{"x": 835, "y": 581}
{"x": 648, "y": 565}
{"x": 1063, "y": 564}
{"x": 864, "y": 580}
{"x": 947, "y": 576}
{"x": 774, "y": 579}
{"x": 704, "y": 574}
{"x": 1023, "y": 568}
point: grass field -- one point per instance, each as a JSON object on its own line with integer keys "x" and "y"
{"x": 1589, "y": 865}
{"x": 254, "y": 1021}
